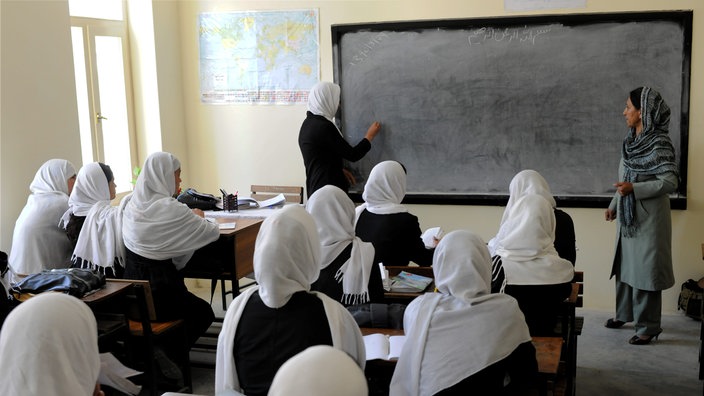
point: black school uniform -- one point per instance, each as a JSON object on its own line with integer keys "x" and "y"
{"x": 396, "y": 238}
{"x": 324, "y": 149}
{"x": 328, "y": 285}
{"x": 267, "y": 337}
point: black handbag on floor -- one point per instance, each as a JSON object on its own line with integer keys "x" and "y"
{"x": 690, "y": 300}
{"x": 74, "y": 281}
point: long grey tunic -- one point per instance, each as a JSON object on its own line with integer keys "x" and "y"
{"x": 645, "y": 260}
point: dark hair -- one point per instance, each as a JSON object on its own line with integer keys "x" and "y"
{"x": 402, "y": 166}
{"x": 635, "y": 97}
{"x": 108, "y": 172}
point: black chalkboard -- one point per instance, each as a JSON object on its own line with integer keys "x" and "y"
{"x": 467, "y": 103}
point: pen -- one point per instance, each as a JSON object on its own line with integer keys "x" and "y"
{"x": 223, "y": 192}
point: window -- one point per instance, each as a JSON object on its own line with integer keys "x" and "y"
{"x": 103, "y": 86}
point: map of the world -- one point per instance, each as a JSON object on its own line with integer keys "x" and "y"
{"x": 265, "y": 57}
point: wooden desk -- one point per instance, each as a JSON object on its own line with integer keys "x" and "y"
{"x": 239, "y": 246}
{"x": 232, "y": 254}
{"x": 547, "y": 352}
{"x": 111, "y": 290}
{"x": 406, "y": 297}
{"x": 547, "y": 349}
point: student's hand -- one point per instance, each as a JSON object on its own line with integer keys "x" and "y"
{"x": 198, "y": 212}
{"x": 624, "y": 188}
{"x": 97, "y": 391}
{"x": 373, "y": 130}
{"x": 610, "y": 215}
{"x": 349, "y": 176}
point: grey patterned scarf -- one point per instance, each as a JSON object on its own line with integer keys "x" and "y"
{"x": 650, "y": 153}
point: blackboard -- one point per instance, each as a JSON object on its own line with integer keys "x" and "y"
{"x": 465, "y": 104}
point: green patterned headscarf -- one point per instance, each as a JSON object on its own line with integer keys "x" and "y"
{"x": 650, "y": 153}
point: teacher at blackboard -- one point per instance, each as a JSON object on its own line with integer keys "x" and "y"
{"x": 322, "y": 144}
{"x": 648, "y": 173}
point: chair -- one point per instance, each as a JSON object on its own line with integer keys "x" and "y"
{"x": 144, "y": 328}
{"x": 293, "y": 194}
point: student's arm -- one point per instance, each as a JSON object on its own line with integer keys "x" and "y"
{"x": 418, "y": 253}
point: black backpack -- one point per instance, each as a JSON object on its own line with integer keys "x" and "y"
{"x": 690, "y": 300}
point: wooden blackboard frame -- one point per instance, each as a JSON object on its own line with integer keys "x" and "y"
{"x": 682, "y": 17}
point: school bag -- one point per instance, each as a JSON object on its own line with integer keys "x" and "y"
{"x": 690, "y": 300}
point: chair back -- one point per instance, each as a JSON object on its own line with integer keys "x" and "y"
{"x": 293, "y": 194}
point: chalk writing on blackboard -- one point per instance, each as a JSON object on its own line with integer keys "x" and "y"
{"x": 521, "y": 35}
{"x": 361, "y": 55}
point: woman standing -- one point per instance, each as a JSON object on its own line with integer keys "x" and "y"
{"x": 648, "y": 173}
{"x": 322, "y": 144}
{"x": 38, "y": 242}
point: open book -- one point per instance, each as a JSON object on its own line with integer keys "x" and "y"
{"x": 247, "y": 202}
{"x": 382, "y": 346}
{"x": 406, "y": 282}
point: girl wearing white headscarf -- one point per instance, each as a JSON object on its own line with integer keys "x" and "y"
{"x": 527, "y": 266}
{"x": 322, "y": 145}
{"x": 320, "y": 370}
{"x": 51, "y": 341}
{"x": 531, "y": 182}
{"x": 268, "y": 324}
{"x": 386, "y": 223}
{"x": 160, "y": 235}
{"x": 38, "y": 242}
{"x": 94, "y": 224}
{"x": 347, "y": 270}
{"x": 462, "y": 338}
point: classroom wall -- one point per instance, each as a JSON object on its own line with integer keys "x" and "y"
{"x": 38, "y": 116}
{"x": 234, "y": 146}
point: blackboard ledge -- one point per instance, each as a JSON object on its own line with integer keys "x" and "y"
{"x": 676, "y": 202}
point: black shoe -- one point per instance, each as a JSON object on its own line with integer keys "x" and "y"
{"x": 639, "y": 340}
{"x": 614, "y": 324}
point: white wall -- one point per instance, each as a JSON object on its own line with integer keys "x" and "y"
{"x": 234, "y": 146}
{"x": 258, "y": 144}
{"x": 38, "y": 112}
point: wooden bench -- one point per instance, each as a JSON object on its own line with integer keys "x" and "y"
{"x": 144, "y": 326}
{"x": 570, "y": 327}
{"x": 548, "y": 351}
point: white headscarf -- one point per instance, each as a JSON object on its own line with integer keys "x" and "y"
{"x": 286, "y": 257}
{"x": 324, "y": 99}
{"x": 49, "y": 345}
{"x": 100, "y": 240}
{"x": 463, "y": 328}
{"x": 384, "y": 189}
{"x": 525, "y": 182}
{"x": 91, "y": 186}
{"x": 334, "y": 214}
{"x": 320, "y": 370}
{"x": 157, "y": 226}
{"x": 525, "y": 243}
{"x": 38, "y": 242}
